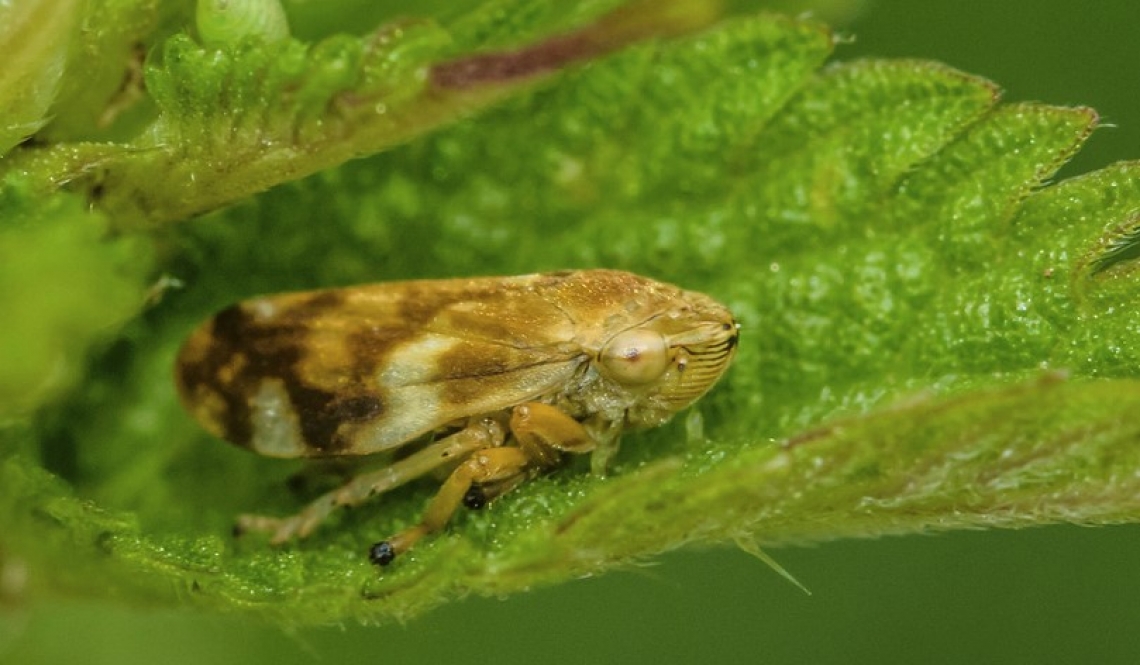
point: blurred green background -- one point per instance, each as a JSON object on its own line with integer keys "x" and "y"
{"x": 1059, "y": 594}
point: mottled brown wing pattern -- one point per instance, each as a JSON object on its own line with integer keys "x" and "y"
{"x": 354, "y": 371}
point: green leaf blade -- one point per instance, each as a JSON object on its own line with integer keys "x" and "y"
{"x": 882, "y": 230}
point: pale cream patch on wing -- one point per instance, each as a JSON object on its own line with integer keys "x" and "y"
{"x": 409, "y": 382}
{"x": 412, "y": 411}
{"x": 415, "y": 361}
{"x": 276, "y": 429}
{"x": 261, "y": 309}
{"x": 420, "y": 398}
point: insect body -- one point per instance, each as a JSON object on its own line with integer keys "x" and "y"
{"x": 494, "y": 379}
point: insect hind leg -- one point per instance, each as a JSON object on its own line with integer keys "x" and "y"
{"x": 494, "y": 467}
{"x": 485, "y": 433}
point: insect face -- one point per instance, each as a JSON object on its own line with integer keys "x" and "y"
{"x": 670, "y": 360}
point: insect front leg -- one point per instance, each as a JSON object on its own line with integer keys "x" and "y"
{"x": 544, "y": 431}
{"x": 482, "y": 434}
{"x": 607, "y": 434}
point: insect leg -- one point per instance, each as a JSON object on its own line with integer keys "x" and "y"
{"x": 543, "y": 432}
{"x": 483, "y": 434}
{"x": 490, "y": 465}
{"x": 478, "y": 496}
{"x": 543, "y": 429}
{"x": 608, "y": 436}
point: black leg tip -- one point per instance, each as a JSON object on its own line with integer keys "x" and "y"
{"x": 381, "y": 553}
{"x": 475, "y": 498}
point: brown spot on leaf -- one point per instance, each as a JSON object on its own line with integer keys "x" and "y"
{"x": 618, "y": 29}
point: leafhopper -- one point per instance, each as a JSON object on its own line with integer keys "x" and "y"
{"x": 494, "y": 380}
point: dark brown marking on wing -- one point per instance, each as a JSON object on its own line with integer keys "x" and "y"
{"x": 467, "y": 360}
{"x": 207, "y": 374}
{"x": 421, "y": 303}
{"x": 367, "y": 346}
{"x": 358, "y": 408}
{"x": 462, "y": 391}
{"x": 241, "y": 352}
{"x": 321, "y": 413}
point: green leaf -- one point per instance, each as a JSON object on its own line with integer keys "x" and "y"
{"x": 34, "y": 37}
{"x": 252, "y": 108}
{"x": 66, "y": 286}
{"x": 934, "y": 337}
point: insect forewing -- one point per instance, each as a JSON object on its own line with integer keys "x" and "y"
{"x": 354, "y": 371}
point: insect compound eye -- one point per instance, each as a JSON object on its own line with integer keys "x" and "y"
{"x": 636, "y": 356}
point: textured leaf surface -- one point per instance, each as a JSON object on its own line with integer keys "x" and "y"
{"x": 935, "y": 337}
